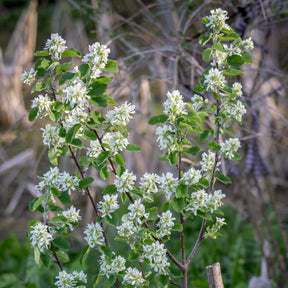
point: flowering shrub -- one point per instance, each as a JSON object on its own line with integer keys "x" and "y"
{"x": 72, "y": 100}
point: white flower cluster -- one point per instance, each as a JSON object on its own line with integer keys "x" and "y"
{"x": 165, "y": 224}
{"x": 69, "y": 280}
{"x": 56, "y": 46}
{"x": 168, "y": 183}
{"x": 77, "y": 115}
{"x": 127, "y": 229}
{"x": 62, "y": 181}
{"x": 76, "y": 93}
{"x": 235, "y": 111}
{"x": 156, "y": 254}
{"x": 50, "y": 136}
{"x": 133, "y": 277}
{"x": 43, "y": 103}
{"x": 28, "y": 77}
{"x": 229, "y": 147}
{"x": 111, "y": 266}
{"x": 72, "y": 216}
{"x": 40, "y": 237}
{"x": 174, "y": 106}
{"x": 247, "y": 44}
{"x": 213, "y": 230}
{"x": 197, "y": 102}
{"x": 96, "y": 58}
{"x": 217, "y": 19}
{"x": 167, "y": 138}
{"x": 192, "y": 176}
{"x": 137, "y": 212}
{"x": 94, "y": 234}
{"x": 120, "y": 116}
{"x": 204, "y": 202}
{"x": 208, "y": 160}
{"x": 148, "y": 183}
{"x": 214, "y": 79}
{"x": 237, "y": 89}
{"x": 125, "y": 182}
{"x": 108, "y": 205}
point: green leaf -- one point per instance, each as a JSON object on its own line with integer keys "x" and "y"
{"x": 97, "y": 117}
{"x": 166, "y": 206}
{"x": 52, "y": 155}
{"x": 192, "y": 150}
{"x": 207, "y": 54}
{"x": 97, "y": 88}
{"x": 63, "y": 150}
{"x": 133, "y": 255}
{"x": 178, "y": 204}
{"x": 84, "y": 183}
{"x": 222, "y": 178}
{"x": 181, "y": 190}
{"x": 227, "y": 131}
{"x": 64, "y": 198}
{"x": 162, "y": 281}
{"x": 114, "y": 220}
{"x": 110, "y": 189}
{"x": 229, "y": 36}
{"x": 62, "y": 256}
{"x": 84, "y": 253}
{"x": 235, "y": 61}
{"x": 219, "y": 47}
{"x": 71, "y": 52}
{"x": 153, "y": 213}
{"x": 204, "y": 136}
{"x": 37, "y": 255}
{"x": 77, "y": 143}
{"x": 111, "y": 66}
{"x": 206, "y": 216}
{"x": 45, "y": 258}
{"x": 71, "y": 133}
{"x": 215, "y": 95}
{"x": 61, "y": 244}
{"x": 133, "y": 148}
{"x": 119, "y": 160}
{"x": 173, "y": 158}
{"x": 83, "y": 69}
{"x": 35, "y": 203}
{"x": 84, "y": 160}
{"x": 232, "y": 72}
{"x": 203, "y": 39}
{"x": 55, "y": 116}
{"x": 66, "y": 76}
{"x": 236, "y": 156}
{"x": 41, "y": 66}
{"x": 106, "y": 250}
{"x": 158, "y": 119}
{"x": 177, "y": 227}
{"x": 103, "y": 156}
{"x": 62, "y": 132}
{"x": 123, "y": 197}
{"x": 55, "y": 191}
{"x": 62, "y": 68}
{"x": 104, "y": 173}
{"x": 247, "y": 57}
{"x": 204, "y": 182}
{"x": 39, "y": 86}
{"x": 120, "y": 170}
{"x": 42, "y": 53}
{"x": 33, "y": 114}
{"x": 89, "y": 135}
{"x": 213, "y": 146}
{"x": 200, "y": 88}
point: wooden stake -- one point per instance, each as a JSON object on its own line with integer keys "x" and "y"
{"x": 214, "y": 276}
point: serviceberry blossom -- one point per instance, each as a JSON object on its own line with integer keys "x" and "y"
{"x": 217, "y": 19}
{"x": 232, "y": 49}
{"x": 127, "y": 229}
{"x": 56, "y": 46}
{"x": 50, "y": 136}
{"x": 116, "y": 141}
{"x": 111, "y": 266}
{"x": 28, "y": 77}
{"x": 208, "y": 160}
{"x": 214, "y": 201}
{"x": 197, "y": 201}
{"x": 125, "y": 182}
{"x": 213, "y": 230}
{"x": 72, "y": 216}
{"x": 229, "y": 147}
{"x": 168, "y": 183}
{"x": 133, "y": 277}
{"x": 43, "y": 103}
{"x": 174, "y": 105}
{"x": 76, "y": 93}
{"x": 40, "y": 237}
{"x": 75, "y": 116}
{"x": 197, "y": 102}
{"x": 94, "y": 149}
{"x": 237, "y": 89}
{"x": 96, "y": 58}
{"x": 167, "y": 138}
{"x": 192, "y": 176}
{"x": 137, "y": 211}
{"x": 108, "y": 205}
{"x": 165, "y": 224}
{"x": 234, "y": 111}
{"x": 148, "y": 183}
{"x": 69, "y": 280}
{"x": 120, "y": 116}
{"x": 156, "y": 254}
{"x": 94, "y": 234}
{"x": 214, "y": 79}
{"x": 247, "y": 44}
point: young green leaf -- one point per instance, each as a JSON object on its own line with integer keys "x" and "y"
{"x": 133, "y": 148}
{"x": 159, "y": 119}
{"x": 207, "y": 55}
{"x": 111, "y": 66}
{"x": 213, "y": 146}
{"x": 232, "y": 72}
{"x": 61, "y": 244}
{"x": 222, "y": 178}
{"x": 71, "y": 52}
{"x": 181, "y": 190}
{"x": 178, "y": 204}
{"x": 84, "y": 183}
{"x": 192, "y": 150}
{"x": 64, "y": 198}
{"x": 110, "y": 189}
{"x": 33, "y": 114}
{"x": 235, "y": 61}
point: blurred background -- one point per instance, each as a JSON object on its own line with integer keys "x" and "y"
{"x": 156, "y": 44}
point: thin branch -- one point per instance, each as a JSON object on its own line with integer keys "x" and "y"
{"x": 174, "y": 283}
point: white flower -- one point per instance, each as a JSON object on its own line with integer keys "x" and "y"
{"x": 192, "y": 176}
{"x": 197, "y": 201}
{"x": 69, "y": 280}
{"x": 235, "y": 111}
{"x": 50, "y": 136}
{"x": 56, "y": 46}
{"x": 72, "y": 216}
{"x": 76, "y": 93}
{"x": 67, "y": 182}
{"x": 28, "y": 77}
{"x": 232, "y": 50}
{"x": 167, "y": 138}
{"x": 217, "y": 19}
{"x": 137, "y": 211}
{"x": 40, "y": 237}
{"x": 127, "y": 229}
{"x": 214, "y": 79}
{"x": 96, "y": 58}
{"x": 156, "y": 253}
{"x": 213, "y": 230}
{"x": 76, "y": 116}
{"x": 125, "y": 182}
{"x": 116, "y": 141}
{"x": 174, "y": 105}
{"x": 198, "y": 102}
{"x": 229, "y": 147}
{"x": 120, "y": 116}
{"x": 80, "y": 276}
{"x": 214, "y": 201}
{"x": 111, "y": 266}
{"x": 43, "y": 103}
{"x": 94, "y": 234}
{"x": 208, "y": 160}
{"x": 237, "y": 89}
{"x": 219, "y": 57}
{"x": 168, "y": 183}
{"x": 247, "y": 44}
{"x": 148, "y": 183}
{"x": 94, "y": 149}
{"x": 165, "y": 224}
{"x": 133, "y": 277}
{"x": 108, "y": 205}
